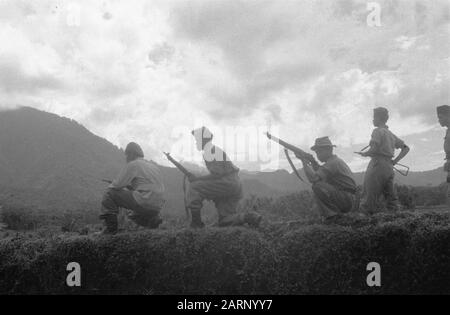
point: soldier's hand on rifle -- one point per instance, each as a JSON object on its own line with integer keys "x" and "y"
{"x": 363, "y": 154}
{"x": 304, "y": 158}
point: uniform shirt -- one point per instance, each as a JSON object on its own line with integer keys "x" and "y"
{"x": 337, "y": 173}
{"x": 145, "y": 179}
{"x": 447, "y": 144}
{"x": 386, "y": 142}
{"x": 217, "y": 162}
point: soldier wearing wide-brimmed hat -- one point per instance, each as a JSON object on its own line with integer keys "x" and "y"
{"x": 443, "y": 113}
{"x": 379, "y": 177}
{"x": 332, "y": 182}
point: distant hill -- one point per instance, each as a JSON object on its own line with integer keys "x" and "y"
{"x": 51, "y": 161}
{"x": 54, "y": 162}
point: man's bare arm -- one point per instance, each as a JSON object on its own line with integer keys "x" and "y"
{"x": 402, "y": 154}
{"x": 373, "y": 149}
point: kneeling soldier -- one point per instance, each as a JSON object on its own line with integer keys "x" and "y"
{"x": 332, "y": 182}
{"x": 139, "y": 188}
{"x": 222, "y": 186}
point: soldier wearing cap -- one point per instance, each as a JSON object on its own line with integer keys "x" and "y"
{"x": 379, "y": 177}
{"x": 139, "y": 188}
{"x": 443, "y": 113}
{"x": 332, "y": 182}
{"x": 222, "y": 185}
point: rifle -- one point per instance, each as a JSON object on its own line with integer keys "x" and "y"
{"x": 187, "y": 176}
{"x": 297, "y": 151}
{"x": 404, "y": 171}
{"x": 178, "y": 165}
{"x": 108, "y": 181}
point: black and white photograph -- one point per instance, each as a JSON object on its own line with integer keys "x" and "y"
{"x": 224, "y": 153}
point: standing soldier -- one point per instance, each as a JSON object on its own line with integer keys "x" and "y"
{"x": 443, "y": 113}
{"x": 222, "y": 186}
{"x": 139, "y": 188}
{"x": 379, "y": 177}
{"x": 333, "y": 184}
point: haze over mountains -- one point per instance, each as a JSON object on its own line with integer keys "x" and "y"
{"x": 54, "y": 162}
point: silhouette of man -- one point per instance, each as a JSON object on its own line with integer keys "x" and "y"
{"x": 443, "y": 113}
{"x": 222, "y": 186}
{"x": 139, "y": 188}
{"x": 379, "y": 177}
{"x": 333, "y": 184}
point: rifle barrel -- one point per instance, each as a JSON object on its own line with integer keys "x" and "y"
{"x": 283, "y": 143}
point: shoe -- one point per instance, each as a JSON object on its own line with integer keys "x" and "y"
{"x": 196, "y": 220}
{"x": 111, "y": 225}
{"x": 154, "y": 223}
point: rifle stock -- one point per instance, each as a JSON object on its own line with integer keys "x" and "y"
{"x": 298, "y": 152}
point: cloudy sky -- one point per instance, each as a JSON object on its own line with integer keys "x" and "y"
{"x": 149, "y": 71}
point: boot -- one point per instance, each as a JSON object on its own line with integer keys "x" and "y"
{"x": 253, "y": 219}
{"x": 111, "y": 225}
{"x": 154, "y": 222}
{"x": 196, "y": 219}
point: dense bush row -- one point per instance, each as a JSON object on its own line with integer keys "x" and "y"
{"x": 413, "y": 253}
{"x": 412, "y": 250}
{"x": 228, "y": 261}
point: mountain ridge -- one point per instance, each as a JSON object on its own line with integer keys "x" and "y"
{"x": 52, "y": 161}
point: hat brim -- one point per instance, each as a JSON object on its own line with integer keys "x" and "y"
{"x": 315, "y": 147}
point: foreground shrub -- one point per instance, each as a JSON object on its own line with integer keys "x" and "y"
{"x": 411, "y": 248}
{"x": 412, "y": 251}
{"x": 230, "y": 261}
{"x": 18, "y": 218}
{"x": 322, "y": 260}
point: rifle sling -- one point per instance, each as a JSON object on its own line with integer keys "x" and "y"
{"x": 185, "y": 196}
{"x": 286, "y": 152}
